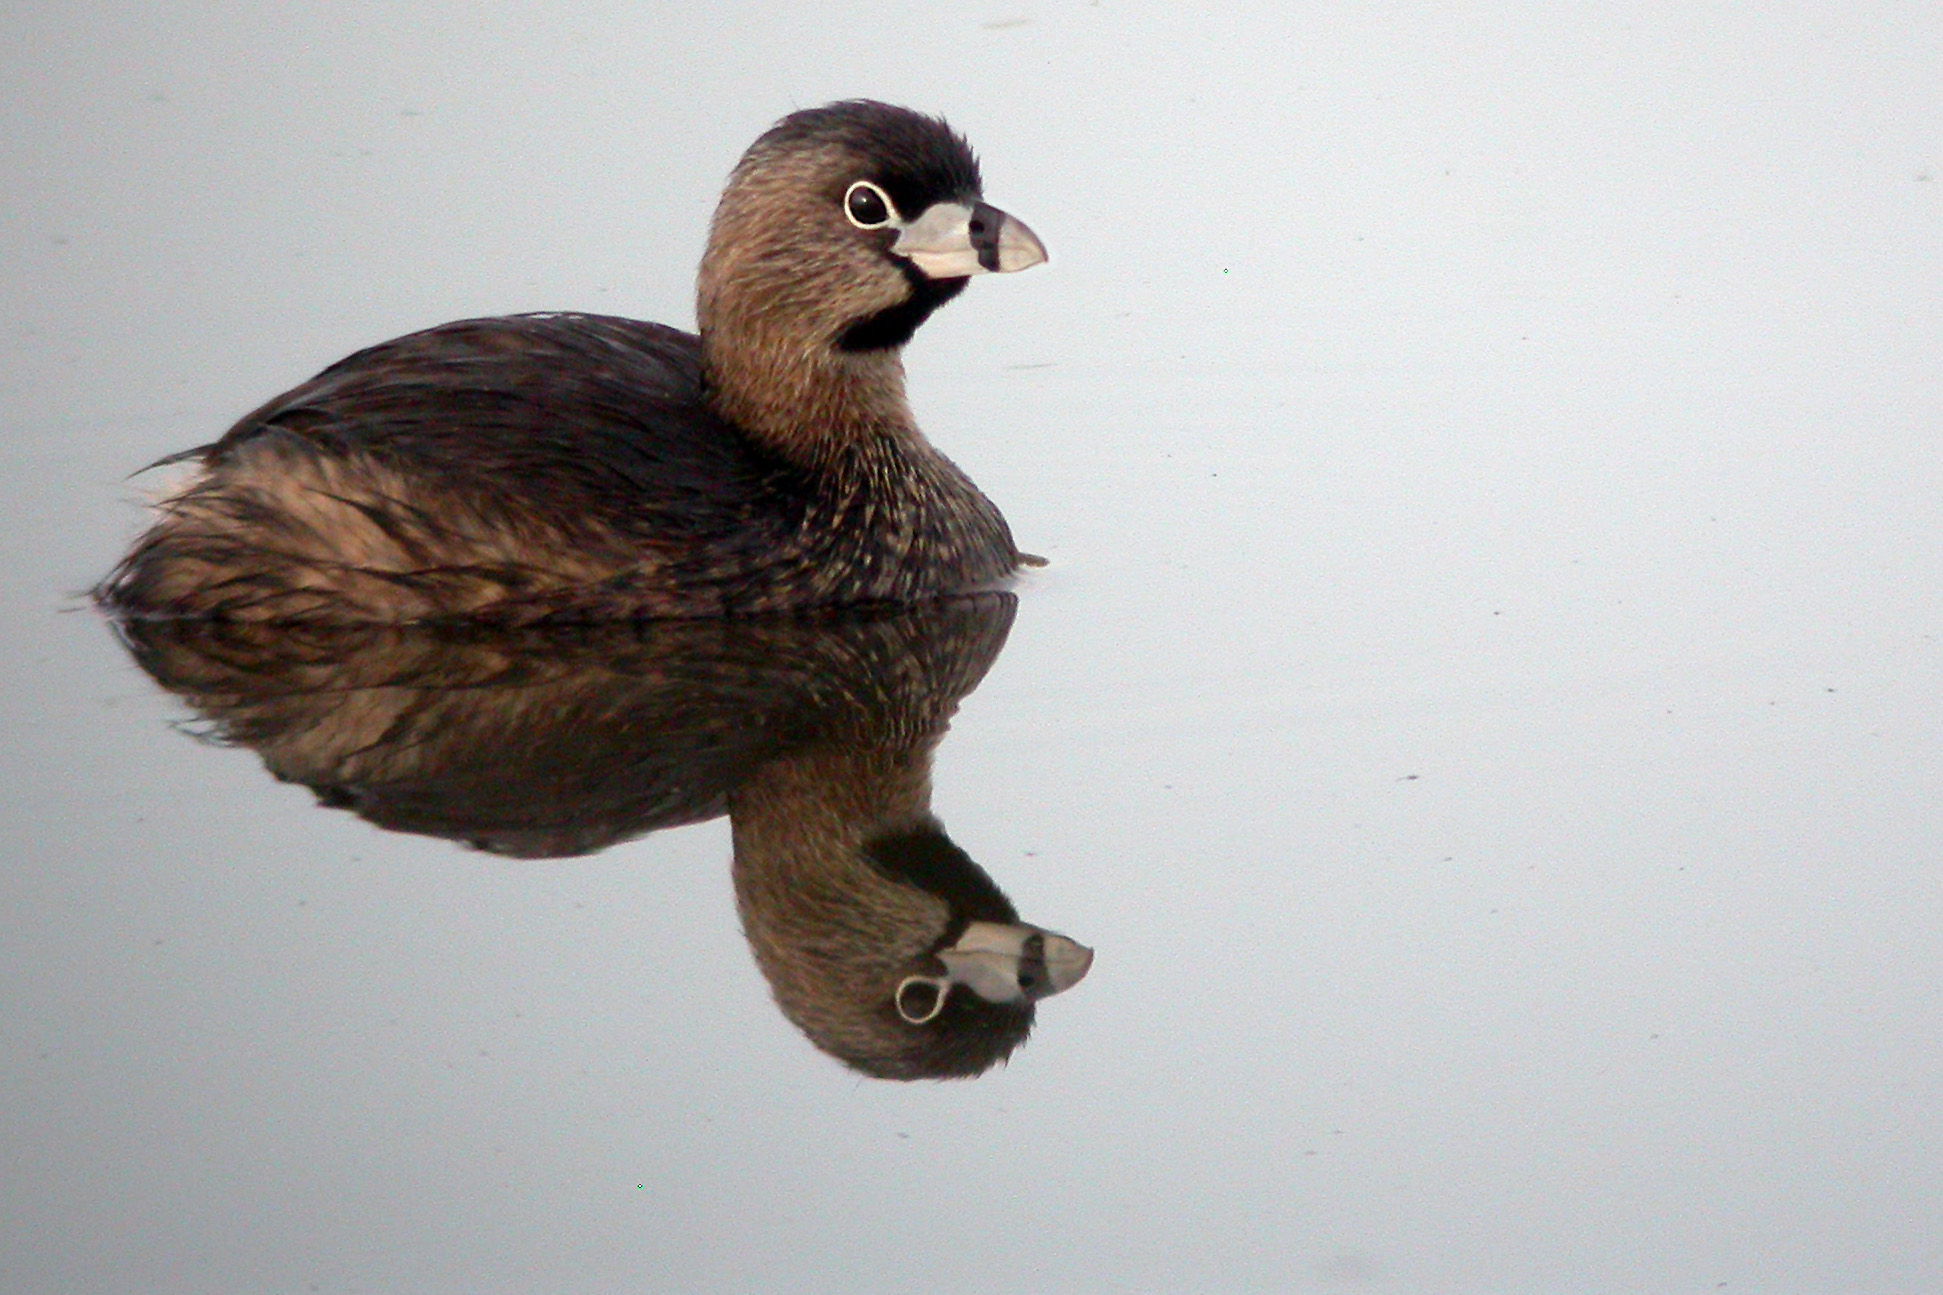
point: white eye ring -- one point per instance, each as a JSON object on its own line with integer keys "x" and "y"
{"x": 878, "y": 209}
{"x": 940, "y": 987}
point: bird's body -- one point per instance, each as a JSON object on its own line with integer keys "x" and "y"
{"x": 549, "y": 467}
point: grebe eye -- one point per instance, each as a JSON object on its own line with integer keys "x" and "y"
{"x": 919, "y": 999}
{"x": 867, "y": 206}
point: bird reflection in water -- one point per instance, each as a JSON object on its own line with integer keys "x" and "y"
{"x": 883, "y": 941}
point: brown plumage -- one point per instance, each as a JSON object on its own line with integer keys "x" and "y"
{"x": 574, "y": 467}
{"x": 814, "y": 733}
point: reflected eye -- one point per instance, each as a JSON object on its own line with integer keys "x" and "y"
{"x": 867, "y": 206}
{"x": 919, "y": 999}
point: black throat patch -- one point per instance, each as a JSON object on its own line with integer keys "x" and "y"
{"x": 888, "y": 329}
{"x": 928, "y": 859}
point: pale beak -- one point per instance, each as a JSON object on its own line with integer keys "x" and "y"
{"x": 1000, "y": 962}
{"x": 951, "y": 240}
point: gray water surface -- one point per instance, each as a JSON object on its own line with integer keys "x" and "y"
{"x": 1483, "y": 706}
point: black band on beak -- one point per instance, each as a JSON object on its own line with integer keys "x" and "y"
{"x": 986, "y": 221}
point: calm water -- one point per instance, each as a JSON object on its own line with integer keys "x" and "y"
{"x": 1485, "y": 706}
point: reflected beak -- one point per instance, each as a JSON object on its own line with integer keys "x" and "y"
{"x": 951, "y": 240}
{"x": 1005, "y": 962}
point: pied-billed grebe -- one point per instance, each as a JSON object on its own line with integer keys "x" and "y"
{"x": 886, "y": 944}
{"x": 566, "y": 466}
